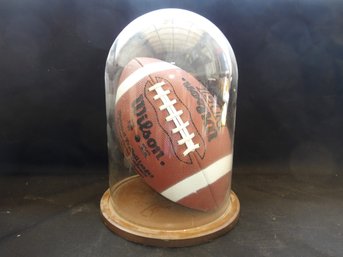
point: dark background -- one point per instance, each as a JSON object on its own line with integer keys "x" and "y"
{"x": 52, "y": 57}
{"x": 287, "y": 165}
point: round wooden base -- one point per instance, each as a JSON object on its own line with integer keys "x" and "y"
{"x": 137, "y": 213}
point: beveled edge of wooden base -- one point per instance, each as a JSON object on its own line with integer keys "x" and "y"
{"x": 185, "y": 237}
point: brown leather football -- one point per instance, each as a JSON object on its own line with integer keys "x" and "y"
{"x": 169, "y": 128}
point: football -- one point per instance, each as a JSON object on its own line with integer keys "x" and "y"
{"x": 169, "y": 127}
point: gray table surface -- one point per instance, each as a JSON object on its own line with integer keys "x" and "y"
{"x": 282, "y": 214}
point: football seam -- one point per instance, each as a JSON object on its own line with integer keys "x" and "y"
{"x": 160, "y": 125}
{"x": 191, "y": 120}
{"x": 189, "y": 112}
{"x": 174, "y": 116}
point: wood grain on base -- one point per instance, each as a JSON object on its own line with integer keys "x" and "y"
{"x": 137, "y": 213}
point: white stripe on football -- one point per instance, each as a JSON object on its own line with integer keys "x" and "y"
{"x": 140, "y": 74}
{"x": 199, "y": 180}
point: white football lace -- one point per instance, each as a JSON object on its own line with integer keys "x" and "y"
{"x": 175, "y": 116}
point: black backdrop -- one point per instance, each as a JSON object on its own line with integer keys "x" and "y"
{"x": 52, "y": 57}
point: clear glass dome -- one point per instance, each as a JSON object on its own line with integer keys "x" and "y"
{"x": 171, "y": 87}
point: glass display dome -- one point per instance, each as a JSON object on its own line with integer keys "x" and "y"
{"x": 171, "y": 89}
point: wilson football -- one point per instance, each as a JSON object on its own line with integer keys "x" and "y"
{"x": 169, "y": 128}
